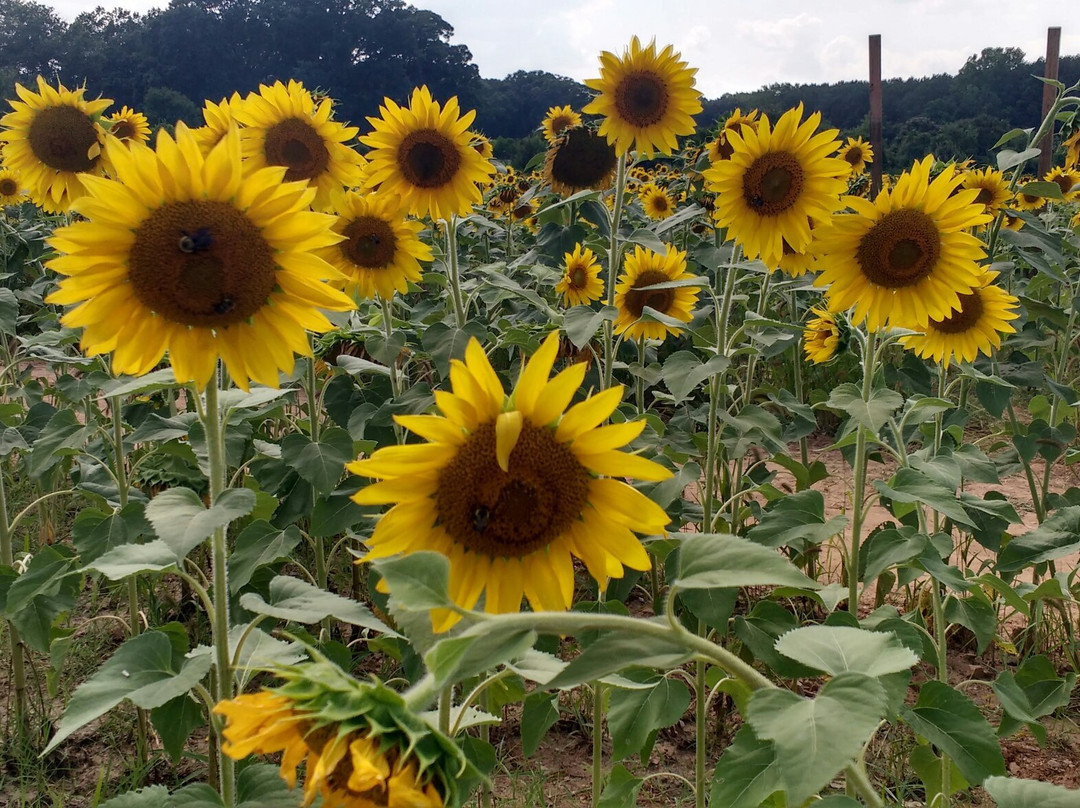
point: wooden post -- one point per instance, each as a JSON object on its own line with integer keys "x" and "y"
{"x": 875, "y": 115}
{"x": 1053, "y": 45}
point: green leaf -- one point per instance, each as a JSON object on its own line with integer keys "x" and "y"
{"x": 322, "y": 464}
{"x": 474, "y": 651}
{"x": 747, "y": 773}
{"x": 1057, "y": 537}
{"x": 911, "y": 486}
{"x": 10, "y": 440}
{"x": 63, "y": 435}
{"x": 142, "y": 671}
{"x": 1007, "y": 158}
{"x": 259, "y": 544}
{"x": 683, "y": 372}
{"x": 301, "y": 602}
{"x": 974, "y": 613}
{"x": 634, "y": 716}
{"x": 95, "y": 532}
{"x": 174, "y": 721}
{"x": 718, "y": 560}
{"x": 837, "y": 649}
{"x": 927, "y": 767}
{"x": 259, "y": 785}
{"x": 872, "y": 414}
{"x": 1033, "y": 691}
{"x": 45, "y": 590}
{"x": 615, "y": 652}
{"x": 182, "y": 521}
{"x": 198, "y": 795}
{"x": 1013, "y": 792}
{"x": 130, "y": 559}
{"x": 9, "y": 311}
{"x": 417, "y": 581}
{"x": 1047, "y": 190}
{"x": 621, "y": 789}
{"x": 949, "y": 720}
{"x": 140, "y": 385}
{"x": 815, "y": 738}
{"x": 887, "y": 548}
{"x": 539, "y": 713}
{"x": 581, "y": 323}
{"x": 797, "y": 520}
{"x": 149, "y": 797}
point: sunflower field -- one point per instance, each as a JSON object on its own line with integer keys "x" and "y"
{"x": 346, "y": 466}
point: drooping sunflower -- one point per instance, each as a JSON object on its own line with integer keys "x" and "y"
{"x": 218, "y": 117}
{"x": 580, "y": 159}
{"x": 53, "y": 139}
{"x": 11, "y": 191}
{"x": 647, "y": 99}
{"x": 857, "y": 153}
{"x": 512, "y": 488}
{"x": 127, "y": 125}
{"x": 976, "y": 327}
{"x": 381, "y": 249}
{"x": 824, "y": 336}
{"x": 423, "y": 153}
{"x": 283, "y": 126}
{"x": 777, "y": 183}
{"x": 906, "y": 257}
{"x": 992, "y": 186}
{"x": 1067, "y": 179}
{"x": 719, "y": 147}
{"x": 558, "y": 119}
{"x": 656, "y": 202}
{"x": 194, "y": 256}
{"x": 580, "y": 284}
{"x": 643, "y": 269}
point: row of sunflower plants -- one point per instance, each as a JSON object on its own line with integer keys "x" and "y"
{"x": 581, "y": 388}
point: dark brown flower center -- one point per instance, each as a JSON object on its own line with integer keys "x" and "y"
{"x": 123, "y": 129}
{"x": 723, "y": 148}
{"x": 8, "y": 186}
{"x": 1065, "y": 182}
{"x": 580, "y": 159}
{"x": 773, "y": 183}
{"x": 511, "y": 514}
{"x": 659, "y": 203}
{"x": 900, "y": 250}
{"x": 964, "y": 319}
{"x": 295, "y": 144}
{"x": 578, "y": 277}
{"x": 62, "y": 138}
{"x": 985, "y": 197}
{"x": 854, "y": 155}
{"x": 427, "y": 158}
{"x": 560, "y": 122}
{"x": 201, "y": 263}
{"x": 659, "y": 299}
{"x": 370, "y": 242}
{"x": 641, "y": 99}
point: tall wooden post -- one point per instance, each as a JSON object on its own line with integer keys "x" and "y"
{"x": 1053, "y": 44}
{"x": 875, "y": 115}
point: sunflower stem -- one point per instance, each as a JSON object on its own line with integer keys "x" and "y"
{"x": 639, "y": 381}
{"x": 455, "y": 271}
{"x": 614, "y": 255}
{"x": 18, "y": 670}
{"x": 395, "y": 380}
{"x": 598, "y": 722}
{"x": 796, "y": 367}
{"x": 859, "y": 504}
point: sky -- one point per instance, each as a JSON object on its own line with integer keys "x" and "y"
{"x": 735, "y": 46}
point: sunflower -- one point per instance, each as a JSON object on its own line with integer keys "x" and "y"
{"x": 127, "y": 125}
{"x": 796, "y": 263}
{"x": 992, "y": 186}
{"x": 11, "y": 192}
{"x": 720, "y": 147}
{"x": 511, "y": 488}
{"x": 580, "y": 284}
{"x": 558, "y": 119}
{"x": 904, "y": 258}
{"x": 579, "y": 160}
{"x": 777, "y": 183}
{"x": 381, "y": 250}
{"x": 218, "y": 118}
{"x": 283, "y": 126}
{"x": 482, "y": 146}
{"x": 857, "y": 153}
{"x": 824, "y": 336}
{"x": 643, "y": 269}
{"x": 1071, "y": 145}
{"x": 1031, "y": 202}
{"x": 656, "y": 202}
{"x": 424, "y": 154}
{"x": 53, "y": 139}
{"x": 1012, "y": 221}
{"x": 191, "y": 255}
{"x": 1068, "y": 180}
{"x": 646, "y": 99}
{"x": 975, "y": 327}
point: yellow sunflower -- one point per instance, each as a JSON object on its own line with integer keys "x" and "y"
{"x": 823, "y": 336}
{"x": 194, "y": 256}
{"x": 796, "y": 263}
{"x": 558, "y": 119}
{"x": 53, "y": 139}
{"x": 11, "y": 191}
{"x": 423, "y": 153}
{"x": 1030, "y": 202}
{"x": 1072, "y": 149}
{"x": 580, "y": 284}
{"x": 656, "y": 202}
{"x": 992, "y": 186}
{"x": 580, "y": 159}
{"x": 381, "y": 250}
{"x": 1012, "y": 221}
{"x": 1067, "y": 179}
{"x": 283, "y": 126}
{"x": 127, "y": 125}
{"x": 720, "y": 147}
{"x": 647, "y": 99}
{"x": 906, "y": 257}
{"x": 218, "y": 118}
{"x": 857, "y": 153}
{"x": 976, "y": 327}
{"x": 482, "y": 146}
{"x": 645, "y": 268}
{"x": 777, "y": 183}
{"x": 512, "y": 488}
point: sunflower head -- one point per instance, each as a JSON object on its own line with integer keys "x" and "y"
{"x": 1067, "y": 179}
{"x": 857, "y": 153}
{"x": 647, "y": 281}
{"x": 127, "y": 125}
{"x": 557, "y": 120}
{"x": 657, "y": 203}
{"x": 580, "y": 284}
{"x": 1072, "y": 146}
{"x": 647, "y": 99}
{"x": 579, "y": 160}
{"x": 992, "y": 186}
{"x": 720, "y": 147}
{"x": 218, "y": 118}
{"x": 825, "y": 335}
{"x": 11, "y": 191}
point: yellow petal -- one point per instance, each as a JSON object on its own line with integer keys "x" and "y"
{"x": 507, "y": 431}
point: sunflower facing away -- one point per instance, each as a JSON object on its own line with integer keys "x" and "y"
{"x": 191, "y": 255}
{"x": 976, "y": 327}
{"x": 777, "y": 183}
{"x": 283, "y": 126}
{"x": 580, "y": 284}
{"x": 381, "y": 250}
{"x": 906, "y": 257}
{"x": 218, "y": 118}
{"x": 558, "y": 119}
{"x": 823, "y": 336}
{"x": 423, "y": 153}
{"x": 127, "y": 125}
{"x": 513, "y": 488}
{"x": 992, "y": 186}
{"x": 11, "y": 192}
{"x": 647, "y": 99}
{"x": 580, "y": 159}
{"x": 857, "y": 153}
{"x": 645, "y": 268}
{"x": 53, "y": 139}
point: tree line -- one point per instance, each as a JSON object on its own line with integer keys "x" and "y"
{"x": 167, "y": 61}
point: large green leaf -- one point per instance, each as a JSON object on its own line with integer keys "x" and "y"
{"x": 259, "y": 544}
{"x": 301, "y": 602}
{"x": 46, "y": 589}
{"x": 95, "y": 532}
{"x": 182, "y": 521}
{"x": 417, "y": 581}
{"x": 323, "y": 463}
{"x": 539, "y": 713}
{"x": 1012, "y": 792}
{"x": 683, "y": 372}
{"x": 797, "y": 520}
{"x": 747, "y": 773}
{"x": 887, "y": 548}
{"x": 1034, "y": 690}
{"x": 836, "y": 649}
{"x": 1057, "y": 537}
{"x": 615, "y": 652}
{"x": 130, "y": 559}
{"x": 635, "y": 716}
{"x": 149, "y": 797}
{"x": 872, "y": 414}
{"x": 718, "y": 560}
{"x": 621, "y": 789}
{"x": 476, "y": 650}
{"x": 175, "y": 720}
{"x": 261, "y": 786}
{"x": 63, "y": 435}
{"x": 974, "y": 613}
{"x": 910, "y": 486}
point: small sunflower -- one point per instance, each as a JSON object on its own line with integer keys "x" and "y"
{"x": 580, "y": 284}
{"x": 644, "y": 269}
{"x": 558, "y": 119}
{"x": 1072, "y": 149}
{"x": 906, "y": 257}
{"x": 1068, "y": 180}
{"x": 720, "y": 147}
{"x": 283, "y": 126}
{"x": 777, "y": 183}
{"x": 512, "y": 488}
{"x": 53, "y": 139}
{"x": 992, "y": 186}
{"x": 796, "y": 263}
{"x": 579, "y": 160}
{"x": 191, "y": 255}
{"x": 1012, "y": 221}
{"x": 824, "y": 336}
{"x": 647, "y": 99}
{"x": 975, "y": 327}
{"x": 857, "y": 153}
{"x": 127, "y": 126}
{"x": 11, "y": 191}
{"x": 424, "y": 154}
{"x": 381, "y": 250}
{"x": 656, "y": 202}
{"x": 1030, "y": 202}
{"x": 218, "y": 118}
{"x": 482, "y": 146}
